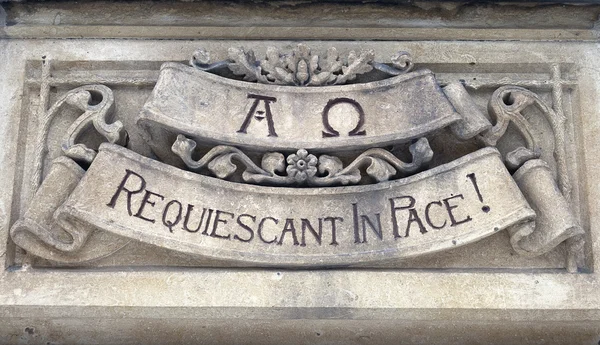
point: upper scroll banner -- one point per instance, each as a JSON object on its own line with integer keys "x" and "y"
{"x": 210, "y": 108}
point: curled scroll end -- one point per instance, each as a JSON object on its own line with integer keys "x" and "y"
{"x": 97, "y": 103}
{"x": 200, "y": 57}
{"x": 519, "y": 232}
{"x": 401, "y": 64}
{"x": 47, "y": 229}
{"x": 474, "y": 121}
{"x": 116, "y": 134}
{"x": 201, "y": 60}
{"x": 555, "y": 221}
{"x": 530, "y": 240}
{"x": 402, "y": 61}
{"x": 37, "y": 231}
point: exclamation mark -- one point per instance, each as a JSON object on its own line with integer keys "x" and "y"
{"x": 471, "y": 176}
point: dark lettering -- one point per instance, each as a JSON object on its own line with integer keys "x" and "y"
{"x": 376, "y": 229}
{"x": 411, "y": 204}
{"x": 333, "y": 229}
{"x": 260, "y": 228}
{"x": 218, "y": 220}
{"x": 113, "y": 200}
{"x": 187, "y": 219}
{"x": 210, "y": 211}
{"x": 306, "y": 225}
{"x": 355, "y": 220}
{"x": 146, "y": 201}
{"x": 428, "y": 219}
{"x": 473, "y": 179}
{"x": 245, "y": 227}
{"x": 449, "y": 208}
{"x": 267, "y": 101}
{"x": 170, "y": 224}
{"x": 289, "y": 227}
{"x": 365, "y": 220}
{"x": 329, "y": 131}
{"x": 413, "y": 217}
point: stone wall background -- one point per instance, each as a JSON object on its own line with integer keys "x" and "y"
{"x": 499, "y": 301}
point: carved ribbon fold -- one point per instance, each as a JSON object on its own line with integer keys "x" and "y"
{"x": 179, "y": 198}
{"x": 70, "y": 221}
{"x": 43, "y": 233}
{"x": 554, "y": 222}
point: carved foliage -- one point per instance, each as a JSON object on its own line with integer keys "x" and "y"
{"x": 302, "y": 168}
{"x": 301, "y": 67}
{"x": 94, "y": 115}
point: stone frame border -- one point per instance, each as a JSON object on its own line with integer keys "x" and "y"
{"x": 496, "y": 297}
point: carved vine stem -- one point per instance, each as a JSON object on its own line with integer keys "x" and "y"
{"x": 301, "y": 168}
{"x": 506, "y": 105}
{"x": 95, "y": 115}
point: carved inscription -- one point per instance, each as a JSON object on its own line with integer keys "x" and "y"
{"x": 151, "y": 206}
{"x": 409, "y": 216}
{"x": 328, "y": 131}
{"x": 276, "y": 118}
{"x": 386, "y": 208}
{"x": 260, "y": 115}
{"x": 162, "y": 205}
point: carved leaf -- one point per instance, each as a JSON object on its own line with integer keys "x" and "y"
{"x": 80, "y": 152}
{"x": 283, "y": 77}
{"x": 291, "y": 61}
{"x": 222, "y": 166}
{"x": 380, "y": 170}
{"x": 271, "y": 62}
{"x": 332, "y": 62}
{"x": 183, "y": 146}
{"x": 79, "y": 99}
{"x": 244, "y": 64}
{"x": 320, "y": 79}
{"x": 303, "y": 73}
{"x": 421, "y": 152}
{"x": 356, "y": 65}
{"x": 313, "y": 64}
{"x": 302, "y": 51}
{"x": 273, "y": 162}
{"x": 330, "y": 165}
{"x": 349, "y": 176}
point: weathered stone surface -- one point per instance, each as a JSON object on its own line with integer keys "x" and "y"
{"x": 41, "y": 232}
{"x": 219, "y": 110}
{"x": 416, "y": 108}
{"x": 543, "y": 106}
{"x": 137, "y": 198}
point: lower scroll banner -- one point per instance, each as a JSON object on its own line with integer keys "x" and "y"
{"x": 136, "y": 198}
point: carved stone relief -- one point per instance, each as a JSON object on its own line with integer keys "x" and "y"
{"x": 302, "y": 158}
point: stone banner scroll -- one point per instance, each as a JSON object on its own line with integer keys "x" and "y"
{"x": 211, "y": 108}
{"x": 445, "y": 207}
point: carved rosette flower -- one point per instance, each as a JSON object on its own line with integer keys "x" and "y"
{"x": 301, "y": 165}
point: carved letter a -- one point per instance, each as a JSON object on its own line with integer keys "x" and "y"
{"x": 268, "y": 114}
